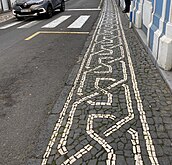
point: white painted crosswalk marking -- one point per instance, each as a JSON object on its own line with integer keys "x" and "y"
{"x": 78, "y": 23}
{"x": 10, "y": 25}
{"x": 56, "y": 22}
{"x": 28, "y": 25}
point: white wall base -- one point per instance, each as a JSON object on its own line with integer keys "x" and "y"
{"x": 147, "y": 13}
{"x": 0, "y": 7}
{"x": 5, "y": 5}
{"x": 138, "y": 16}
{"x": 157, "y": 35}
{"x": 148, "y": 32}
{"x": 167, "y": 75}
{"x": 165, "y": 53}
{"x": 138, "y": 22}
{"x": 169, "y": 30}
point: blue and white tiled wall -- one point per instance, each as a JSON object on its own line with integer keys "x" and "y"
{"x": 154, "y": 17}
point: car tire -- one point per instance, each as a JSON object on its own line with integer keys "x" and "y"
{"x": 49, "y": 12}
{"x": 20, "y": 18}
{"x": 62, "y": 7}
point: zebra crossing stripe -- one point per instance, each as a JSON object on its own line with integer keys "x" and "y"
{"x": 28, "y": 25}
{"x": 10, "y": 25}
{"x": 56, "y": 22}
{"x": 78, "y": 23}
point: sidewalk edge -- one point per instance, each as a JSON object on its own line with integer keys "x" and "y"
{"x": 53, "y": 117}
{"x": 166, "y": 75}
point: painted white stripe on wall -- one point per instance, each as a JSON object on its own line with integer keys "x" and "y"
{"x": 78, "y": 23}
{"x": 28, "y": 25}
{"x": 9, "y": 25}
{"x": 57, "y": 21}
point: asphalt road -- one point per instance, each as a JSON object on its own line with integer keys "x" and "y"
{"x": 33, "y": 73}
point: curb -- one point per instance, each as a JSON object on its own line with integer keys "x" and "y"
{"x": 166, "y": 75}
{"x": 48, "y": 127}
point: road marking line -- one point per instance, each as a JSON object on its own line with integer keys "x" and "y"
{"x": 53, "y": 32}
{"x": 56, "y": 22}
{"x": 32, "y": 36}
{"x": 93, "y": 9}
{"x": 100, "y": 4}
{"x": 78, "y": 23}
{"x": 10, "y": 25}
{"x": 28, "y": 25}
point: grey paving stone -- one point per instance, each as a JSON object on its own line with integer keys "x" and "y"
{"x": 92, "y": 162}
{"x": 159, "y": 150}
{"x": 120, "y": 146}
{"x": 78, "y": 162}
{"x": 146, "y": 160}
{"x": 99, "y": 154}
{"x": 121, "y": 160}
{"x": 94, "y": 151}
{"x": 71, "y": 152}
{"x": 167, "y": 150}
{"x": 165, "y": 160}
{"x": 53, "y": 151}
{"x": 130, "y": 161}
{"x": 34, "y": 162}
{"x": 50, "y": 160}
{"x": 128, "y": 153}
{"x": 60, "y": 159}
{"x": 87, "y": 157}
{"x": 101, "y": 163}
{"x": 161, "y": 135}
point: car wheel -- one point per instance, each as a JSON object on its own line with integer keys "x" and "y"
{"x": 62, "y": 7}
{"x": 49, "y": 12}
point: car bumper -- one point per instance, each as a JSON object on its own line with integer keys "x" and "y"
{"x": 30, "y": 12}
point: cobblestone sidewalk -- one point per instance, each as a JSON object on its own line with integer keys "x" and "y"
{"x": 6, "y": 16}
{"x": 119, "y": 109}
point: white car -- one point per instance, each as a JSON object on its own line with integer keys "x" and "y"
{"x": 28, "y": 8}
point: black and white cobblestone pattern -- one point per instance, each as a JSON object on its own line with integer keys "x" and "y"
{"x": 119, "y": 109}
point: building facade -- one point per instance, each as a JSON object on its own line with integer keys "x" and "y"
{"x": 154, "y": 17}
{"x": 5, "y": 5}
